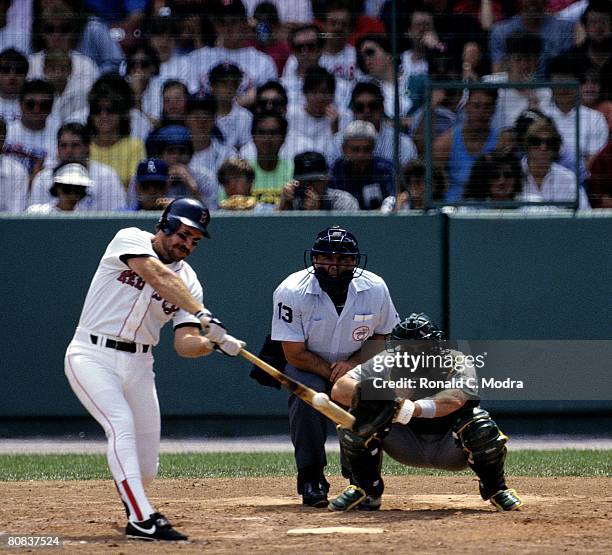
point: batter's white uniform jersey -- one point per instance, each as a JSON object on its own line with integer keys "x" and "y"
{"x": 303, "y": 312}
{"x": 121, "y": 305}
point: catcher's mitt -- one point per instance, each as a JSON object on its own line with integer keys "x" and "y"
{"x": 372, "y": 416}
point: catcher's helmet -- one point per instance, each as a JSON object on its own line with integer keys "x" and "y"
{"x": 188, "y": 211}
{"x": 416, "y": 327}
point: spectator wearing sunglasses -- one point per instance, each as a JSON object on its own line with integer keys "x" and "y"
{"x": 209, "y": 152}
{"x": 142, "y": 75}
{"x": 271, "y": 97}
{"x": 59, "y": 31}
{"x": 367, "y": 104}
{"x": 543, "y": 179}
{"x": 32, "y": 139}
{"x": 376, "y": 64}
{"x": 70, "y": 186}
{"x": 13, "y": 70}
{"x": 306, "y": 45}
{"x": 89, "y": 36}
{"x": 110, "y": 123}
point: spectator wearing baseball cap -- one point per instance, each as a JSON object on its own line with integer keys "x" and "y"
{"x": 70, "y": 186}
{"x": 173, "y": 144}
{"x": 152, "y": 184}
{"x": 309, "y": 188}
{"x": 233, "y": 120}
{"x": 359, "y": 171}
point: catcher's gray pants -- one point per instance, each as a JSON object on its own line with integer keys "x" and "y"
{"x": 424, "y": 450}
{"x": 307, "y": 426}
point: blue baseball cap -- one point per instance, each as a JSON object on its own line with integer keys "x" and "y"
{"x": 152, "y": 169}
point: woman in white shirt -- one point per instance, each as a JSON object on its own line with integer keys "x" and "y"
{"x": 543, "y": 179}
{"x": 376, "y": 63}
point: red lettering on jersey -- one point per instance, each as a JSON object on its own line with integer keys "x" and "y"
{"x": 169, "y": 308}
{"x": 131, "y": 278}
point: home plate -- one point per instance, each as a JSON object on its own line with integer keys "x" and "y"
{"x": 334, "y": 530}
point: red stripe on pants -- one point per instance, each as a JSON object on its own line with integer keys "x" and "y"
{"x": 132, "y": 499}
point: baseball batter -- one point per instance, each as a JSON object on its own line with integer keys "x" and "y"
{"x": 440, "y": 426}
{"x": 322, "y": 315}
{"x": 141, "y": 283}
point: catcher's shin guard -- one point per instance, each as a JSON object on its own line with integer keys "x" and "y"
{"x": 363, "y": 457}
{"x": 478, "y": 435}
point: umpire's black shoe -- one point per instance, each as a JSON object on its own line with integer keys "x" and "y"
{"x": 155, "y": 528}
{"x": 314, "y": 494}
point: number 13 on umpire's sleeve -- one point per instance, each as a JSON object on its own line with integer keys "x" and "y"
{"x": 285, "y": 312}
{"x": 287, "y": 320}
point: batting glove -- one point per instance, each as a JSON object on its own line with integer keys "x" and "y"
{"x": 214, "y": 330}
{"x": 230, "y": 346}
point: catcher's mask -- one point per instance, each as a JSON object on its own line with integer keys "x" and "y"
{"x": 335, "y": 241}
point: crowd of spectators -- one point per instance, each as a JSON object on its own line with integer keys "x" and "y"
{"x": 291, "y": 105}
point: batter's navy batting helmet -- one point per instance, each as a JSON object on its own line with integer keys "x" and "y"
{"x": 188, "y": 211}
{"x": 417, "y": 327}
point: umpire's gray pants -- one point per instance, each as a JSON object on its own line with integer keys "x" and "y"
{"x": 424, "y": 450}
{"x": 308, "y": 427}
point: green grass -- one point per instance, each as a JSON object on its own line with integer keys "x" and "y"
{"x": 570, "y": 462}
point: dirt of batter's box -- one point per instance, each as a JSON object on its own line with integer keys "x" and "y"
{"x": 419, "y": 514}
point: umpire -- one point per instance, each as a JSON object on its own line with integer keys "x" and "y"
{"x": 322, "y": 315}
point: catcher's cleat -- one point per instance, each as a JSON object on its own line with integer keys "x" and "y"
{"x": 314, "y": 494}
{"x": 370, "y": 504}
{"x": 155, "y": 528}
{"x": 506, "y": 500}
{"x": 351, "y": 497}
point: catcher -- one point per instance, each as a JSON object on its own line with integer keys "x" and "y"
{"x": 441, "y": 427}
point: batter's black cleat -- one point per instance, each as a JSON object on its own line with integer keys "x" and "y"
{"x": 314, "y": 494}
{"x": 155, "y": 528}
{"x": 506, "y": 500}
{"x": 351, "y": 497}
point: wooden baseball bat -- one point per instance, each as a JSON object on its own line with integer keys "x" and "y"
{"x": 330, "y": 409}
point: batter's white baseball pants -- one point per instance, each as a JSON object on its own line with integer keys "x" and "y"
{"x": 118, "y": 390}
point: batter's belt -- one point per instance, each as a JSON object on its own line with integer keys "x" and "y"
{"x": 110, "y": 343}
